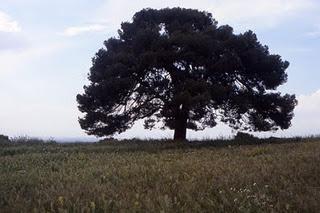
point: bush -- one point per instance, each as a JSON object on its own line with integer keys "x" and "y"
{"x": 4, "y": 140}
{"x": 242, "y": 137}
{"x": 26, "y": 140}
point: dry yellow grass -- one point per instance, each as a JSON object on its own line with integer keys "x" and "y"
{"x": 126, "y": 178}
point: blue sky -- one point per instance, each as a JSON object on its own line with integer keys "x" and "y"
{"x": 46, "y": 49}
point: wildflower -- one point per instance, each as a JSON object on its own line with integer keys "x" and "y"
{"x": 92, "y": 205}
{"x": 254, "y": 184}
{"x": 246, "y": 190}
{"x": 103, "y": 178}
{"x": 60, "y": 200}
{"x": 287, "y": 206}
{"x": 235, "y": 200}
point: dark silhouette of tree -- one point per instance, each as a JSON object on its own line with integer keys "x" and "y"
{"x": 179, "y": 67}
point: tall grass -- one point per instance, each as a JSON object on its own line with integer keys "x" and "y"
{"x": 278, "y": 175}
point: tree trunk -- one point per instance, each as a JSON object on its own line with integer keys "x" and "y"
{"x": 180, "y": 131}
{"x": 180, "y": 134}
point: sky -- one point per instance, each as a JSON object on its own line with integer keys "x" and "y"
{"x": 46, "y": 49}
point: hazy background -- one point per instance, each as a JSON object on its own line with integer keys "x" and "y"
{"x": 46, "y": 49}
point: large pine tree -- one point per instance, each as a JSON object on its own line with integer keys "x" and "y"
{"x": 179, "y": 67}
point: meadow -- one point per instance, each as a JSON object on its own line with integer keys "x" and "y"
{"x": 251, "y": 175}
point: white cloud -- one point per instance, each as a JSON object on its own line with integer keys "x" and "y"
{"x": 258, "y": 14}
{"x": 238, "y": 13}
{"x": 315, "y": 33}
{"x": 7, "y": 24}
{"x": 12, "y": 41}
{"x": 18, "y": 59}
{"x": 74, "y": 31}
{"x": 36, "y": 100}
{"x": 308, "y": 108}
{"x": 37, "y": 118}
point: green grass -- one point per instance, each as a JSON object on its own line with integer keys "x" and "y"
{"x": 136, "y": 176}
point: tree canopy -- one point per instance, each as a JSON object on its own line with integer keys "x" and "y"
{"x": 178, "y": 67}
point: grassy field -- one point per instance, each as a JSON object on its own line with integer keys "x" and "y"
{"x": 160, "y": 177}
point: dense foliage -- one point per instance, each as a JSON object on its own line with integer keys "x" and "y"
{"x": 179, "y": 67}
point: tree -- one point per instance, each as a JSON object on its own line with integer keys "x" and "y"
{"x": 179, "y": 67}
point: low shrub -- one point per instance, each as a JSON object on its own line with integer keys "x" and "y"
{"x": 26, "y": 140}
{"x": 245, "y": 138}
{"x": 4, "y": 140}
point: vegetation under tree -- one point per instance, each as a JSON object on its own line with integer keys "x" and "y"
{"x": 178, "y": 67}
